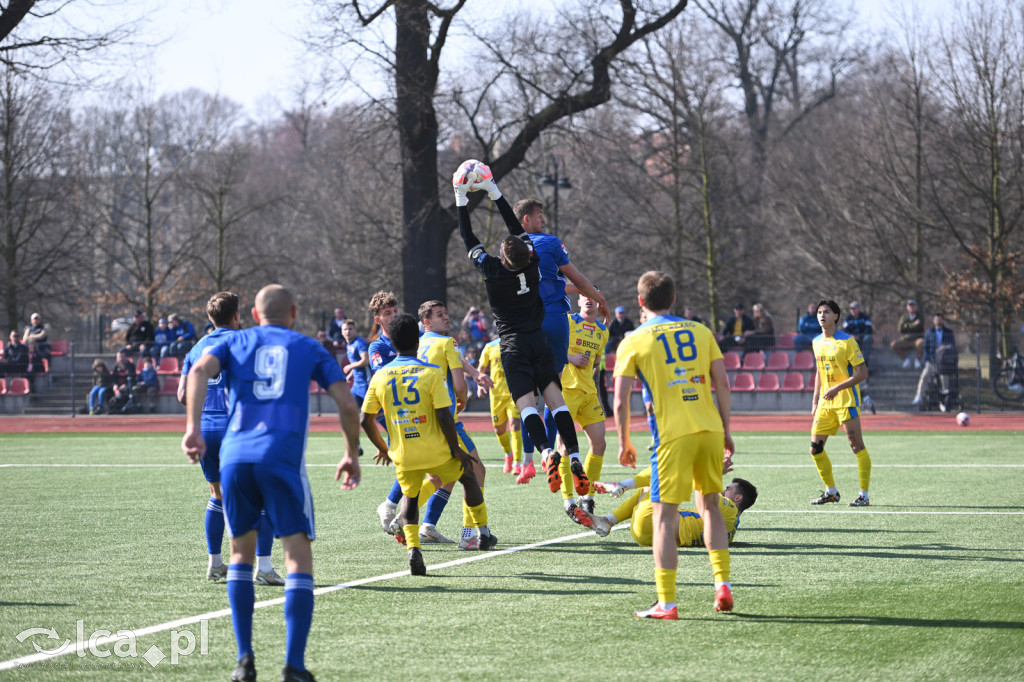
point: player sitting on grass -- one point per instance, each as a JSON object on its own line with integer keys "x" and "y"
{"x": 837, "y": 402}
{"x": 416, "y": 404}
{"x": 512, "y": 283}
{"x": 738, "y": 496}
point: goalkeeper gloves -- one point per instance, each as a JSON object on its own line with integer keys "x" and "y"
{"x": 485, "y": 182}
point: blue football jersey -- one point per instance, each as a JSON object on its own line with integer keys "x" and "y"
{"x": 215, "y": 408}
{"x": 268, "y": 371}
{"x": 360, "y": 376}
{"x": 381, "y": 353}
{"x": 553, "y": 254}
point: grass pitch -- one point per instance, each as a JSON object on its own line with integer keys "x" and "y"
{"x": 925, "y": 584}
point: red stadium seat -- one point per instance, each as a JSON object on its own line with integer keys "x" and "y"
{"x": 59, "y": 347}
{"x": 168, "y": 365}
{"x": 803, "y": 361}
{"x": 742, "y": 382}
{"x": 786, "y": 341}
{"x": 793, "y": 381}
{"x": 732, "y": 360}
{"x": 778, "y": 361}
{"x": 18, "y": 386}
{"x": 170, "y": 386}
{"x": 3, "y": 386}
{"x": 769, "y": 381}
{"x": 753, "y": 362}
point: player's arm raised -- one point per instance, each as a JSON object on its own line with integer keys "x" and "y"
{"x": 348, "y": 415}
{"x": 192, "y": 443}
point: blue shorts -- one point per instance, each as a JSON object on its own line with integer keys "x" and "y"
{"x": 556, "y": 326}
{"x": 467, "y": 442}
{"x": 211, "y": 460}
{"x": 250, "y": 488}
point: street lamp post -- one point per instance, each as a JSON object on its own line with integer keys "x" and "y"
{"x": 553, "y": 180}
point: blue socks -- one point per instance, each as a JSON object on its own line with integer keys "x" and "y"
{"x": 298, "y": 617}
{"x": 435, "y": 505}
{"x": 214, "y": 526}
{"x": 395, "y": 496}
{"x": 549, "y": 425}
{"x": 264, "y": 536}
{"x": 241, "y": 598}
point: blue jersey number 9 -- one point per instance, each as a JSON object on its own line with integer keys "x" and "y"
{"x": 270, "y": 365}
{"x": 686, "y": 349}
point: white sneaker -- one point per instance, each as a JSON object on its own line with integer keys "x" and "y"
{"x": 387, "y": 514}
{"x": 917, "y": 364}
{"x": 470, "y": 543}
{"x": 217, "y": 572}
{"x": 906, "y": 363}
{"x": 598, "y": 524}
{"x": 430, "y": 536}
{"x": 395, "y": 526}
{"x": 269, "y": 578}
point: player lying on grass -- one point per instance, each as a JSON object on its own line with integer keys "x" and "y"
{"x": 738, "y": 496}
{"x": 421, "y": 429}
{"x": 512, "y": 283}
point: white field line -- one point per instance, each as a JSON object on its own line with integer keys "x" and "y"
{"x": 101, "y": 465}
{"x": 878, "y": 511}
{"x": 191, "y": 620}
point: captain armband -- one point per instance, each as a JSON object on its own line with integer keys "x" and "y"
{"x": 476, "y": 252}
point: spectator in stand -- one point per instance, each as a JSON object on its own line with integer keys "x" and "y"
{"x": 858, "y": 325}
{"x": 763, "y": 336}
{"x": 940, "y": 356}
{"x": 15, "y": 357}
{"x": 618, "y": 328}
{"x": 335, "y": 333}
{"x": 162, "y": 337}
{"x": 478, "y": 326}
{"x": 149, "y": 384}
{"x": 101, "y": 385}
{"x": 735, "y": 330}
{"x": 184, "y": 336}
{"x": 328, "y": 345}
{"x": 807, "y": 328}
{"x": 690, "y": 314}
{"x": 36, "y": 336}
{"x": 138, "y": 340}
{"x": 124, "y": 378}
{"x": 472, "y": 356}
{"x": 911, "y": 329}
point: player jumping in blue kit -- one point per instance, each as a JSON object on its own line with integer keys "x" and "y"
{"x": 263, "y": 460}
{"x": 222, "y": 309}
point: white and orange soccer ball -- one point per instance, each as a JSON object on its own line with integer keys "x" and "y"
{"x": 963, "y": 419}
{"x": 469, "y": 173}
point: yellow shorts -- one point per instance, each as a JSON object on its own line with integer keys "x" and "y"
{"x": 641, "y": 526}
{"x": 584, "y": 407}
{"x": 411, "y": 480}
{"x": 503, "y": 409}
{"x": 688, "y": 463}
{"x": 827, "y": 420}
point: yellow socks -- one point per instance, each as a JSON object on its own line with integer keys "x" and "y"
{"x": 665, "y": 584}
{"x": 592, "y": 466}
{"x": 824, "y": 465}
{"x": 517, "y": 446}
{"x": 412, "y": 535}
{"x": 505, "y": 442}
{"x": 864, "y": 468}
{"x": 477, "y": 515}
{"x": 720, "y": 564}
{"x": 467, "y": 513}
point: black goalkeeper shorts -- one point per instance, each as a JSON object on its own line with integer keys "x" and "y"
{"x": 528, "y": 362}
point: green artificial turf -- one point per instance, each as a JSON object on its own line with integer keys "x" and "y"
{"x": 933, "y": 588}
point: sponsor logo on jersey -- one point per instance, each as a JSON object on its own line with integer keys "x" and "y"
{"x": 691, "y": 397}
{"x": 422, "y": 419}
{"x": 412, "y": 435}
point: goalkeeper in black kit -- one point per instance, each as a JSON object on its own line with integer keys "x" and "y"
{"x": 512, "y": 290}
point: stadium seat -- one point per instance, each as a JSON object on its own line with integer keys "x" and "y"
{"x": 753, "y": 362}
{"x": 742, "y": 382}
{"x": 769, "y": 381}
{"x": 778, "y": 361}
{"x": 170, "y": 386}
{"x": 803, "y": 361}
{"x": 786, "y": 341}
{"x": 732, "y": 360}
{"x": 59, "y": 347}
{"x": 793, "y": 381}
{"x": 3, "y": 386}
{"x": 168, "y": 365}
{"x": 18, "y": 386}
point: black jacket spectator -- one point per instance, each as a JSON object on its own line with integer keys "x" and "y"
{"x": 139, "y": 337}
{"x": 617, "y": 329}
{"x": 15, "y": 357}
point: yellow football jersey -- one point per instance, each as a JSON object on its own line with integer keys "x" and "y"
{"x": 410, "y": 391}
{"x": 586, "y": 338}
{"x": 439, "y": 350}
{"x": 836, "y": 357}
{"x": 490, "y": 362}
{"x": 673, "y": 357}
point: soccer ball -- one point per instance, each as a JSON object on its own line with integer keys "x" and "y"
{"x": 469, "y": 173}
{"x": 963, "y": 419}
